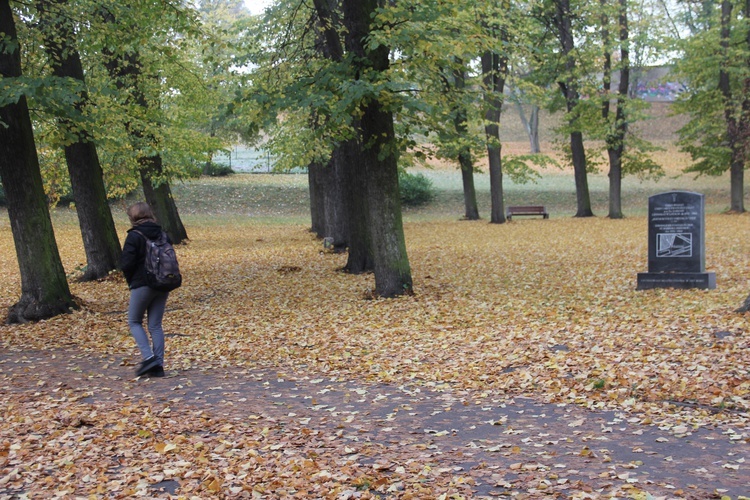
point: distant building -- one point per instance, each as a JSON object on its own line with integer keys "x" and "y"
{"x": 654, "y": 84}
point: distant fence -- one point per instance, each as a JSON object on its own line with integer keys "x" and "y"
{"x": 666, "y": 91}
{"x": 247, "y": 160}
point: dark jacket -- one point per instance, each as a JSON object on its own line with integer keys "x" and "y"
{"x": 132, "y": 260}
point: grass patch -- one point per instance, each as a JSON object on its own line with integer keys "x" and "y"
{"x": 284, "y": 198}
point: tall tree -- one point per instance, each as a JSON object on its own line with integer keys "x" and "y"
{"x": 126, "y": 70}
{"x": 716, "y": 68}
{"x": 494, "y": 74}
{"x": 346, "y": 210}
{"x": 615, "y": 139}
{"x": 530, "y": 123}
{"x": 344, "y": 95}
{"x": 562, "y": 19}
{"x": 379, "y": 158}
{"x": 100, "y": 240}
{"x": 437, "y": 43}
{"x": 353, "y": 185}
{"x": 44, "y": 289}
{"x": 493, "y": 71}
{"x": 465, "y": 160}
{"x": 736, "y": 101}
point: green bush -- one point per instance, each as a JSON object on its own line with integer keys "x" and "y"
{"x": 212, "y": 169}
{"x": 415, "y": 189}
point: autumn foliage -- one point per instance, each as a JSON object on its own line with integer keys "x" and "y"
{"x": 543, "y": 308}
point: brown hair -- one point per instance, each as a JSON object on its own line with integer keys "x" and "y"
{"x": 139, "y": 213}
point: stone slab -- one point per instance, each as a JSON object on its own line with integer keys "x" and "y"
{"x": 676, "y": 232}
{"x": 648, "y": 281}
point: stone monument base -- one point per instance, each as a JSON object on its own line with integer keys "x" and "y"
{"x": 648, "y": 281}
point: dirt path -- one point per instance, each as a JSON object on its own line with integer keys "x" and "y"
{"x": 489, "y": 446}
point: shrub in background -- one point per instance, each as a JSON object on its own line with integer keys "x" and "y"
{"x": 415, "y": 189}
{"x": 212, "y": 169}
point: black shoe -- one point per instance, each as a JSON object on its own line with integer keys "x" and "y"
{"x": 157, "y": 371}
{"x": 147, "y": 365}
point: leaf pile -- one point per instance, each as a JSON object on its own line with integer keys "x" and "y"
{"x": 541, "y": 308}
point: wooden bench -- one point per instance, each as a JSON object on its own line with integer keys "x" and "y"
{"x": 526, "y": 210}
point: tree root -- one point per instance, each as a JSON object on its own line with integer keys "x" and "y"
{"x": 28, "y": 310}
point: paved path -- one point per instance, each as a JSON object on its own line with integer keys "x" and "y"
{"x": 492, "y": 442}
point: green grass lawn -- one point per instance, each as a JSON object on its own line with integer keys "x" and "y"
{"x": 285, "y": 197}
{"x": 270, "y": 197}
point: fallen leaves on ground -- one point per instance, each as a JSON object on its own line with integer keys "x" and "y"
{"x": 541, "y": 308}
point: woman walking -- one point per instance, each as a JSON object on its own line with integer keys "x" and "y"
{"x": 144, "y": 300}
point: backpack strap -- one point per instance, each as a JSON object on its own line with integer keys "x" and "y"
{"x": 136, "y": 231}
{"x": 163, "y": 233}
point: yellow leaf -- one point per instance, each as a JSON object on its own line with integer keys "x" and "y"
{"x": 213, "y": 484}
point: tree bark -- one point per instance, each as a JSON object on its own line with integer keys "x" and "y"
{"x": 494, "y": 69}
{"x": 335, "y": 202}
{"x": 569, "y": 89}
{"x": 616, "y": 138}
{"x": 530, "y": 124}
{"x": 471, "y": 210}
{"x": 392, "y": 270}
{"x": 350, "y": 183}
{"x": 737, "y": 128}
{"x": 98, "y": 231}
{"x": 44, "y": 289}
{"x": 361, "y": 257}
{"x": 316, "y": 185}
{"x": 159, "y": 197}
{"x": 533, "y": 130}
{"x": 379, "y": 160}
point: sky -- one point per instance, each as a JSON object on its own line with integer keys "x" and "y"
{"x": 257, "y": 6}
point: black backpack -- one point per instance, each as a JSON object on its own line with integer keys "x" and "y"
{"x": 162, "y": 269}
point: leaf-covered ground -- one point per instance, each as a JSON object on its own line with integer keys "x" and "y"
{"x": 540, "y": 309}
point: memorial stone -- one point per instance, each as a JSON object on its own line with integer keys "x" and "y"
{"x": 676, "y": 243}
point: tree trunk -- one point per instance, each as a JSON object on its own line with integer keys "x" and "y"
{"x": 615, "y": 183}
{"x": 471, "y": 210}
{"x": 583, "y": 198}
{"x": 494, "y": 69}
{"x": 616, "y": 139}
{"x": 316, "y": 184}
{"x": 533, "y": 130}
{"x": 155, "y": 188}
{"x": 530, "y": 124}
{"x": 44, "y": 289}
{"x": 335, "y": 205}
{"x": 494, "y": 152}
{"x": 737, "y": 180}
{"x": 347, "y": 211}
{"x": 392, "y": 270}
{"x": 98, "y": 230}
{"x": 159, "y": 197}
{"x": 361, "y": 257}
{"x": 737, "y": 127}
{"x": 569, "y": 89}
{"x": 379, "y": 160}
{"x": 125, "y": 70}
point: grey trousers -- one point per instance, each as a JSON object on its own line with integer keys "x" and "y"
{"x": 145, "y": 300}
